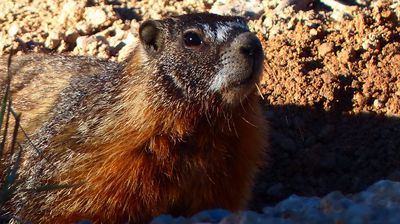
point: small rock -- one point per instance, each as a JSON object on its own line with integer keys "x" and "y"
{"x": 71, "y": 11}
{"x": 324, "y": 49}
{"x": 360, "y": 99}
{"x": 378, "y": 104}
{"x": 313, "y": 32}
{"x": 372, "y": 42}
{"x": 84, "y": 28}
{"x": 130, "y": 42}
{"x": 346, "y": 55}
{"x": 13, "y": 30}
{"x": 53, "y": 40}
{"x": 252, "y": 9}
{"x": 328, "y": 78}
{"x": 84, "y": 43}
{"x": 269, "y": 22}
{"x": 95, "y": 15}
{"x": 311, "y": 23}
{"x": 84, "y": 222}
{"x": 63, "y": 47}
{"x": 213, "y": 215}
{"x": 358, "y": 214}
{"x": 292, "y": 23}
{"x": 251, "y": 217}
{"x": 163, "y": 219}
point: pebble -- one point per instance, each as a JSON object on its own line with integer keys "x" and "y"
{"x": 84, "y": 28}
{"x": 360, "y": 99}
{"x": 251, "y": 9}
{"x": 129, "y": 43}
{"x": 53, "y": 40}
{"x": 71, "y": 10}
{"x": 378, "y": 104}
{"x": 291, "y": 24}
{"x": 95, "y": 15}
{"x": 324, "y": 49}
{"x": 13, "y": 30}
{"x": 346, "y": 55}
{"x": 371, "y": 42}
{"x": 313, "y": 32}
{"x": 86, "y": 42}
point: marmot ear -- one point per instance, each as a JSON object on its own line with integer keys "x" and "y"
{"x": 150, "y": 34}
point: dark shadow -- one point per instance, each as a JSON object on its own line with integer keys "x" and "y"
{"x": 127, "y": 13}
{"x": 345, "y": 93}
{"x": 30, "y": 46}
{"x": 314, "y": 152}
{"x": 113, "y": 2}
{"x": 311, "y": 65}
{"x": 346, "y": 2}
{"x": 319, "y": 6}
{"x": 90, "y": 3}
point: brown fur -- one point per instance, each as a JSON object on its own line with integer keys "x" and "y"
{"x": 122, "y": 153}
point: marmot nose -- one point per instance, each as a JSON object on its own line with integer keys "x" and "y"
{"x": 249, "y": 45}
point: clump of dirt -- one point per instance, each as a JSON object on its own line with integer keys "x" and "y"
{"x": 331, "y": 84}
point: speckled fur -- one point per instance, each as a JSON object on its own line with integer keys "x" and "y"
{"x": 137, "y": 139}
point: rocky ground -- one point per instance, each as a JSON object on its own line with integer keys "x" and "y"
{"x": 331, "y": 85}
{"x": 378, "y": 204}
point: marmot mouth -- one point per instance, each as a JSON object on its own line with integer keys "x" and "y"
{"x": 252, "y": 77}
{"x": 243, "y": 81}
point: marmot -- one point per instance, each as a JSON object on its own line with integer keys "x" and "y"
{"x": 177, "y": 128}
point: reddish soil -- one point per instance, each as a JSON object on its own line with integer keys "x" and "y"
{"x": 332, "y": 94}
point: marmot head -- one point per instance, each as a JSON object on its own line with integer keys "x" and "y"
{"x": 199, "y": 57}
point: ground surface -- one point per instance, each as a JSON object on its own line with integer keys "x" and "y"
{"x": 331, "y": 87}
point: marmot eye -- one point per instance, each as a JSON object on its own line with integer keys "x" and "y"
{"x": 192, "y": 39}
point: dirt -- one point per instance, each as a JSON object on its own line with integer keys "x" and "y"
{"x": 331, "y": 85}
{"x": 332, "y": 94}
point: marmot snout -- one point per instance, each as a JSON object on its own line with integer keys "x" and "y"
{"x": 176, "y": 128}
{"x": 240, "y": 67}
